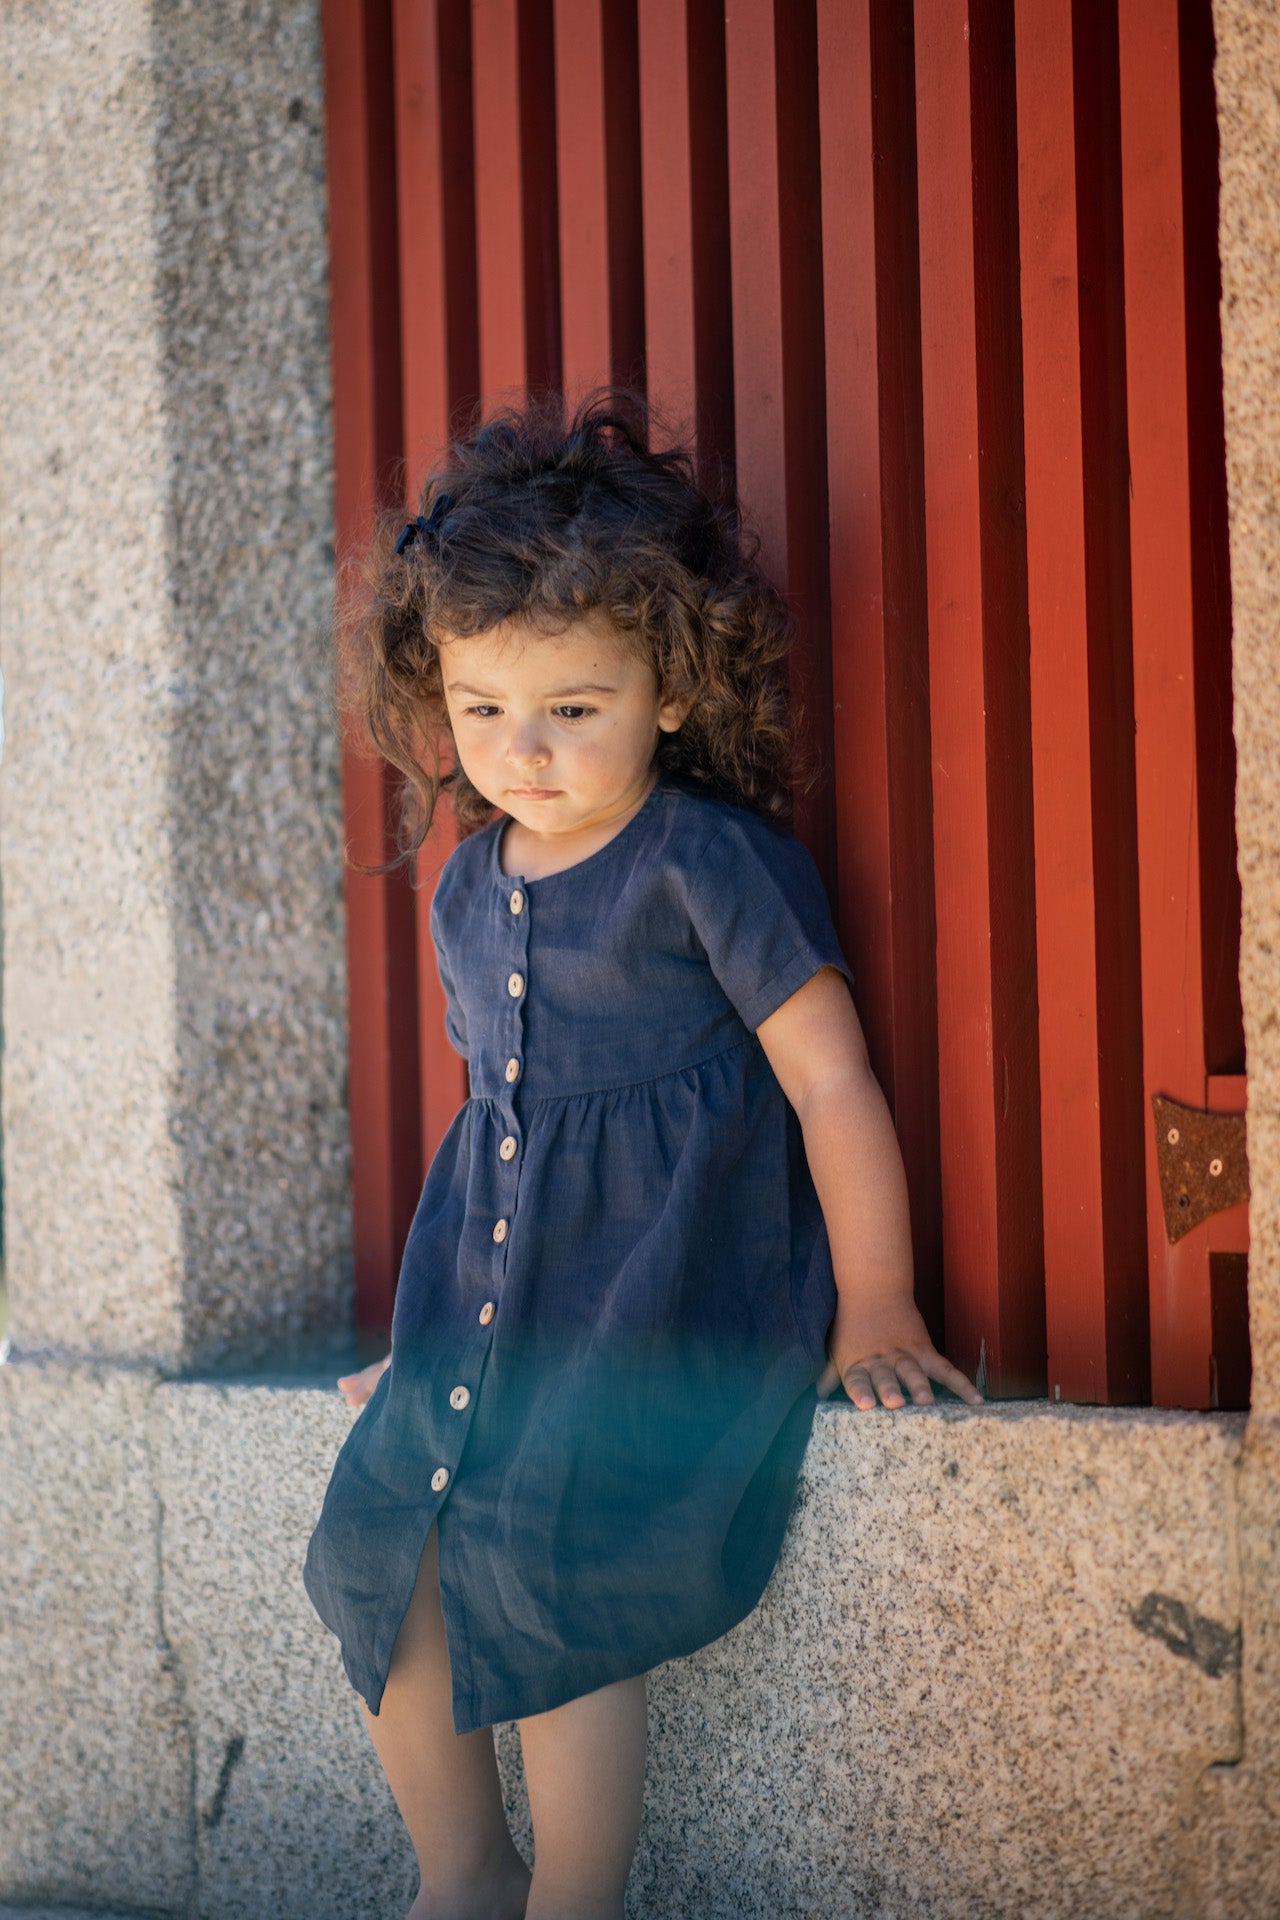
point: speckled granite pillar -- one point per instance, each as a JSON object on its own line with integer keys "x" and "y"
{"x": 1247, "y": 75}
{"x": 1242, "y": 1865}
{"x": 176, "y": 1134}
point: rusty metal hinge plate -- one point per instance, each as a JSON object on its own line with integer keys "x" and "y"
{"x": 1203, "y": 1163}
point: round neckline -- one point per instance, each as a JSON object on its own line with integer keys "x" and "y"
{"x": 511, "y": 880}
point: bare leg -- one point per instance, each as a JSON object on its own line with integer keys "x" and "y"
{"x": 445, "y": 1786}
{"x": 584, "y": 1763}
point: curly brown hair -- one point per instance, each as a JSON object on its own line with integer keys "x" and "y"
{"x": 542, "y": 523}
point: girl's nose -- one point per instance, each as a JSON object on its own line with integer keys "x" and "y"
{"x": 526, "y": 747}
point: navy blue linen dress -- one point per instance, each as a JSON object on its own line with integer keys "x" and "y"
{"x": 616, "y": 1290}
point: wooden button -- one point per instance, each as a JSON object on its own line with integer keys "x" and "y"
{"x": 439, "y": 1479}
{"x": 513, "y": 1071}
{"x": 487, "y": 1312}
{"x": 500, "y": 1232}
{"x": 459, "y": 1399}
{"x": 517, "y": 901}
{"x": 508, "y": 1147}
{"x": 515, "y": 985}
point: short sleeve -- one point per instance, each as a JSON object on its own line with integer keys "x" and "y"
{"x": 455, "y": 1024}
{"x": 760, "y": 910}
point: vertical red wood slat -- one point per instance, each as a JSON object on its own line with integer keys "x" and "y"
{"x": 1211, "y": 551}
{"x": 1085, "y": 869}
{"x": 440, "y": 374}
{"x": 779, "y": 395}
{"x": 598, "y": 171}
{"x": 513, "y": 78}
{"x": 989, "y": 1083}
{"x": 685, "y": 185}
{"x": 364, "y": 324}
{"x": 879, "y": 624}
{"x": 1166, "y": 533}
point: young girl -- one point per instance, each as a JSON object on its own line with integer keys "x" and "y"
{"x": 671, "y": 1213}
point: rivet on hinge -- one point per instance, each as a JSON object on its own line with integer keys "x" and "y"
{"x": 1203, "y": 1163}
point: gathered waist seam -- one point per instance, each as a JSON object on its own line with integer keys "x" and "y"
{"x": 619, "y": 1086}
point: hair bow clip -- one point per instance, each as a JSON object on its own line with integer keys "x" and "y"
{"x": 415, "y": 529}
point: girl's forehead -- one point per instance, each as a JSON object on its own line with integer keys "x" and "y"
{"x": 518, "y": 653}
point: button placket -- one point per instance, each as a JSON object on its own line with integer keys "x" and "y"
{"x": 515, "y": 987}
{"x": 514, "y": 990}
{"x": 461, "y": 1396}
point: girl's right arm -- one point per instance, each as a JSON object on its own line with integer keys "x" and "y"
{"x": 879, "y": 1344}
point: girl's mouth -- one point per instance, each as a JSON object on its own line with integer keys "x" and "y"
{"x": 534, "y": 793}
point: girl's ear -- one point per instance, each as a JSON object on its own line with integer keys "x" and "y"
{"x": 672, "y": 714}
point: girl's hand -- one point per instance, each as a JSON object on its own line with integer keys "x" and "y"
{"x": 888, "y": 1351}
{"x": 355, "y": 1388}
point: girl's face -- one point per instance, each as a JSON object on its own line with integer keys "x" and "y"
{"x": 558, "y": 731}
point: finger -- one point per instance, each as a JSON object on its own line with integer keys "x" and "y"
{"x": 828, "y": 1380}
{"x": 857, "y": 1384}
{"x": 870, "y": 1378}
{"x": 884, "y": 1378}
{"x": 915, "y": 1380}
{"x": 940, "y": 1369}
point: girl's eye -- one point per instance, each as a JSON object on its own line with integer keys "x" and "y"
{"x": 573, "y": 713}
{"x": 483, "y": 713}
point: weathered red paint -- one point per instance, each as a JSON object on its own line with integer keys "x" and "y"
{"x": 982, "y": 814}
{"x": 1183, "y": 763}
{"x": 779, "y": 407}
{"x": 685, "y": 217}
{"x": 1081, "y": 703}
{"x": 368, "y": 434}
{"x": 598, "y": 169}
{"x": 879, "y": 623}
{"x": 440, "y": 379}
{"x": 513, "y": 80}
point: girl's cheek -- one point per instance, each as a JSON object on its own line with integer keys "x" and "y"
{"x": 610, "y": 745}
{"x": 474, "y": 764}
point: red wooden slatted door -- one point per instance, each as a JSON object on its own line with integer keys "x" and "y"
{"x": 940, "y": 287}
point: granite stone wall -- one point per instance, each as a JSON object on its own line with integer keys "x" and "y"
{"x": 1242, "y": 1807}
{"x": 1247, "y": 81}
{"x": 176, "y": 1141}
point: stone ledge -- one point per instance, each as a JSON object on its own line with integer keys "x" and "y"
{"x": 988, "y": 1678}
